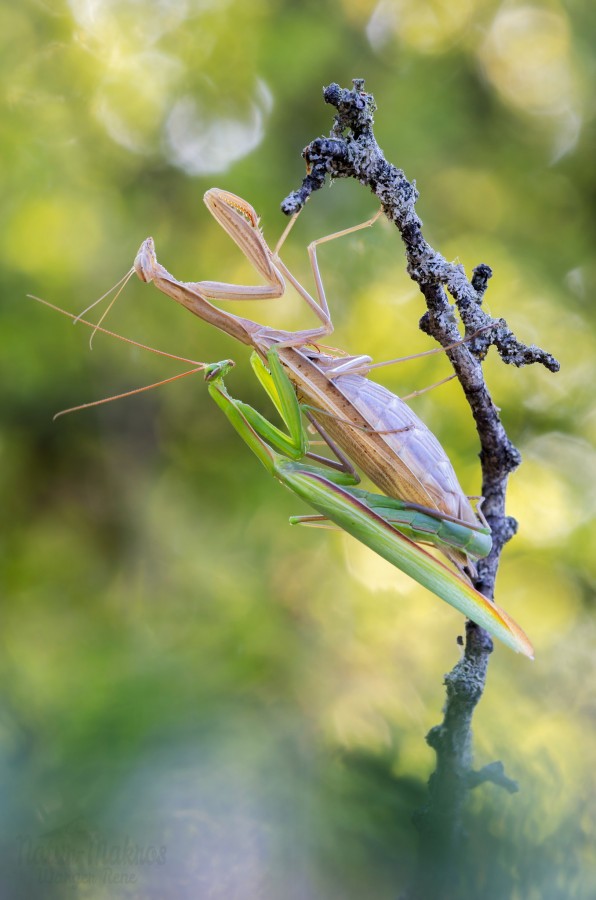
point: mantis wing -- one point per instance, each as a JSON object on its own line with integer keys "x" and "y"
{"x": 351, "y": 514}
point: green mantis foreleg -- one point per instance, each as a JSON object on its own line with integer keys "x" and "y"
{"x": 347, "y": 506}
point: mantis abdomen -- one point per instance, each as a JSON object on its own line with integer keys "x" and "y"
{"x": 380, "y": 433}
{"x": 423, "y": 466}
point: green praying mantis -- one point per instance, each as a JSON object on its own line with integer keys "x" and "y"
{"x": 362, "y": 422}
{"x": 379, "y": 522}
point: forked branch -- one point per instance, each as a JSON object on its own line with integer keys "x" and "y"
{"x": 351, "y": 151}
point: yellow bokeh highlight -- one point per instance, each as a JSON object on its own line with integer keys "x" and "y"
{"x": 45, "y": 230}
{"x": 475, "y": 198}
{"x": 541, "y": 500}
{"x": 374, "y": 572}
{"x": 526, "y": 56}
{"x": 554, "y": 494}
{"x": 429, "y": 27}
{"x": 541, "y": 595}
{"x": 133, "y": 97}
{"x": 555, "y": 745}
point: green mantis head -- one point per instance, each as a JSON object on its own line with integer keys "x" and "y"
{"x": 217, "y": 370}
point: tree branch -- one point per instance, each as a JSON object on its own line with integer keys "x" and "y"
{"x": 351, "y": 151}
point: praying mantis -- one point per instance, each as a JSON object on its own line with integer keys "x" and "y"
{"x": 368, "y": 517}
{"x": 362, "y": 422}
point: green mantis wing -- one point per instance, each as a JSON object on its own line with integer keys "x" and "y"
{"x": 421, "y": 525}
{"x": 356, "y": 518}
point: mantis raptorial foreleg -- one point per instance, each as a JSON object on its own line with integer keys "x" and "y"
{"x": 240, "y": 221}
{"x": 349, "y": 508}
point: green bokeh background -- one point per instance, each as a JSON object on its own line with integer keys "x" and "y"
{"x": 183, "y": 676}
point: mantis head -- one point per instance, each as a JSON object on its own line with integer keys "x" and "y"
{"x": 215, "y": 371}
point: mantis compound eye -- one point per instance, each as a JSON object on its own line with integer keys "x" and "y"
{"x": 218, "y": 369}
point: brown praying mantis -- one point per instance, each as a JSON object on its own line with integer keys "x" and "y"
{"x": 362, "y": 422}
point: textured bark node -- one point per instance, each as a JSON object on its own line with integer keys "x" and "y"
{"x": 351, "y": 151}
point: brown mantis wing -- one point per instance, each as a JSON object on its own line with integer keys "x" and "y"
{"x": 407, "y": 463}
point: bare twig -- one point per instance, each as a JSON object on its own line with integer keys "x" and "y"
{"x": 351, "y": 151}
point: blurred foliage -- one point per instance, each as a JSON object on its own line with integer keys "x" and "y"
{"x": 245, "y": 704}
